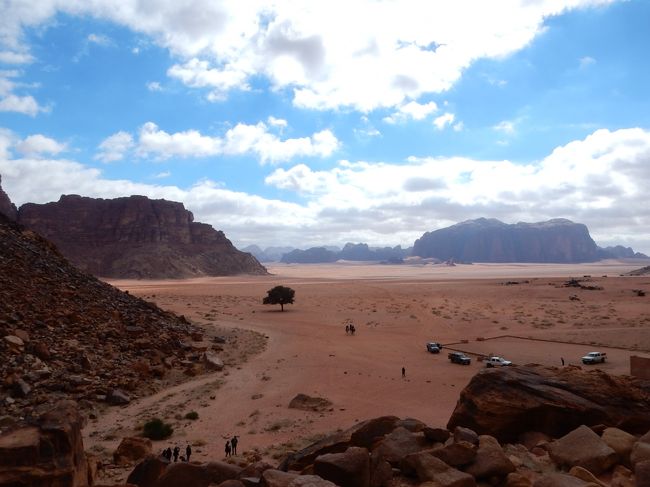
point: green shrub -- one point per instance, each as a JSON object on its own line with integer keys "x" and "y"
{"x": 156, "y": 429}
{"x": 192, "y": 415}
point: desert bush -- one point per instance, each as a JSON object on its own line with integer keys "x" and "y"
{"x": 192, "y": 415}
{"x": 156, "y": 429}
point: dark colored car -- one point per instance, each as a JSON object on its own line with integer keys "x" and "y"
{"x": 459, "y": 358}
{"x": 434, "y": 347}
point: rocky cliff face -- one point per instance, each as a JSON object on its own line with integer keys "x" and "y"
{"x": 489, "y": 240}
{"x": 7, "y": 208}
{"x": 136, "y": 237}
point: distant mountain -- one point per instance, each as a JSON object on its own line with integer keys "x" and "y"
{"x": 136, "y": 237}
{"x": 269, "y": 254}
{"x": 620, "y": 252}
{"x": 355, "y": 252}
{"x": 490, "y": 240}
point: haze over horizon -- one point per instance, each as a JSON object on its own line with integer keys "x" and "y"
{"x": 320, "y": 123}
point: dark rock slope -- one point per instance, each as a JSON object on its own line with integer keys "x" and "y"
{"x": 7, "y": 208}
{"x": 65, "y": 334}
{"x": 136, "y": 237}
{"x": 490, "y": 240}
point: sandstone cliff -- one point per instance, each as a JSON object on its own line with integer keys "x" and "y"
{"x": 489, "y": 240}
{"x": 136, "y": 237}
{"x": 7, "y": 208}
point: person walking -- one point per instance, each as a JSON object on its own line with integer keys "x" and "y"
{"x": 233, "y": 443}
{"x": 347, "y": 329}
{"x": 403, "y": 372}
{"x": 228, "y": 448}
{"x": 176, "y": 452}
{"x": 562, "y": 359}
{"x": 188, "y": 452}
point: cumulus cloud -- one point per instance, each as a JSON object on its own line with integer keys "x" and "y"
{"x": 12, "y": 102}
{"x": 325, "y": 58}
{"x": 411, "y": 111}
{"x": 444, "y": 120}
{"x": 505, "y": 126}
{"x": 38, "y": 145}
{"x": 242, "y": 139}
{"x": 154, "y": 86}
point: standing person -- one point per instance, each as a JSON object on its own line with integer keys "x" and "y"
{"x": 188, "y": 452}
{"x": 403, "y": 372}
{"x": 347, "y": 329}
{"x": 233, "y": 443}
{"x": 562, "y": 359}
{"x": 227, "y": 448}
{"x": 176, "y": 452}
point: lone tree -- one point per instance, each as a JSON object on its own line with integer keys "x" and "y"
{"x": 279, "y": 295}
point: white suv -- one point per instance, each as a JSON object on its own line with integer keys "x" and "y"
{"x": 497, "y": 362}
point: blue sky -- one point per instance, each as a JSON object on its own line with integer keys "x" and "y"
{"x": 303, "y": 123}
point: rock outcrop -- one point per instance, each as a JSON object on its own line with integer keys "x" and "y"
{"x": 136, "y": 237}
{"x": 354, "y": 252}
{"x": 490, "y": 240}
{"x": 65, "y": 334}
{"x": 506, "y": 401}
{"x": 47, "y": 452}
{"x": 7, "y": 208}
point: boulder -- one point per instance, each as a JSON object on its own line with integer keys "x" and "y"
{"x": 429, "y": 468}
{"x": 642, "y": 473}
{"x": 277, "y": 478}
{"x": 220, "y": 471}
{"x": 621, "y": 442}
{"x": 506, "y": 401}
{"x": 515, "y": 479}
{"x": 183, "y": 474}
{"x": 48, "y": 453}
{"x": 381, "y": 472}
{"x": 641, "y": 449}
{"x": 560, "y": 480}
{"x": 584, "y": 448}
{"x": 132, "y": 449}
{"x": 586, "y": 475}
{"x": 148, "y": 471}
{"x": 254, "y": 469}
{"x": 348, "y": 469}
{"x": 231, "y": 483}
{"x": 490, "y": 461}
{"x": 436, "y": 435}
{"x": 456, "y": 454}
{"x": 411, "y": 424}
{"x": 118, "y": 397}
{"x": 310, "y": 481}
{"x": 212, "y": 361}
{"x": 373, "y": 430}
{"x": 399, "y": 443}
{"x": 465, "y": 434}
{"x": 622, "y": 477}
{"x": 14, "y": 341}
{"x": 308, "y": 403}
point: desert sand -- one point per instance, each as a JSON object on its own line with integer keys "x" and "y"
{"x": 507, "y": 310}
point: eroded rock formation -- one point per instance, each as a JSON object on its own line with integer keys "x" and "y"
{"x": 7, "y": 208}
{"x": 506, "y": 401}
{"x": 136, "y": 237}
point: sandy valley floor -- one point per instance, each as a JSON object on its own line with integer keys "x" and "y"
{"x": 396, "y": 310}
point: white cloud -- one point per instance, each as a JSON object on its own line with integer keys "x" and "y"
{"x": 458, "y": 126}
{"x": 99, "y": 39}
{"x": 411, "y": 111}
{"x": 586, "y": 61}
{"x": 321, "y": 52}
{"x": 38, "y": 145}
{"x": 115, "y": 147}
{"x": 154, "y": 86}
{"x": 13, "y": 57}
{"x": 601, "y": 181}
{"x": 505, "y": 126}
{"x": 11, "y": 102}
{"x": 444, "y": 120}
{"x": 277, "y": 122}
{"x": 239, "y": 140}
{"x": 162, "y": 175}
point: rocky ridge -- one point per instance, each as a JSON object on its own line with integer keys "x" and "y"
{"x": 7, "y": 208}
{"x": 490, "y": 240}
{"x": 65, "y": 334}
{"x": 136, "y": 237}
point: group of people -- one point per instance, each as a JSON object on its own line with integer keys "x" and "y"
{"x": 350, "y": 329}
{"x": 231, "y": 446}
{"x": 176, "y": 452}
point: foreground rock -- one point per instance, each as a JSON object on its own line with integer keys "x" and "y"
{"x": 507, "y": 401}
{"x": 47, "y": 452}
{"x": 136, "y": 237}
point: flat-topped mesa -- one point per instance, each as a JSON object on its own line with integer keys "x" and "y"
{"x": 136, "y": 237}
{"x": 490, "y": 240}
{"x": 7, "y": 208}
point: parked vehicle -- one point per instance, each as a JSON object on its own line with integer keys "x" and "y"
{"x": 434, "y": 347}
{"x": 594, "y": 358}
{"x": 497, "y": 362}
{"x": 459, "y": 358}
